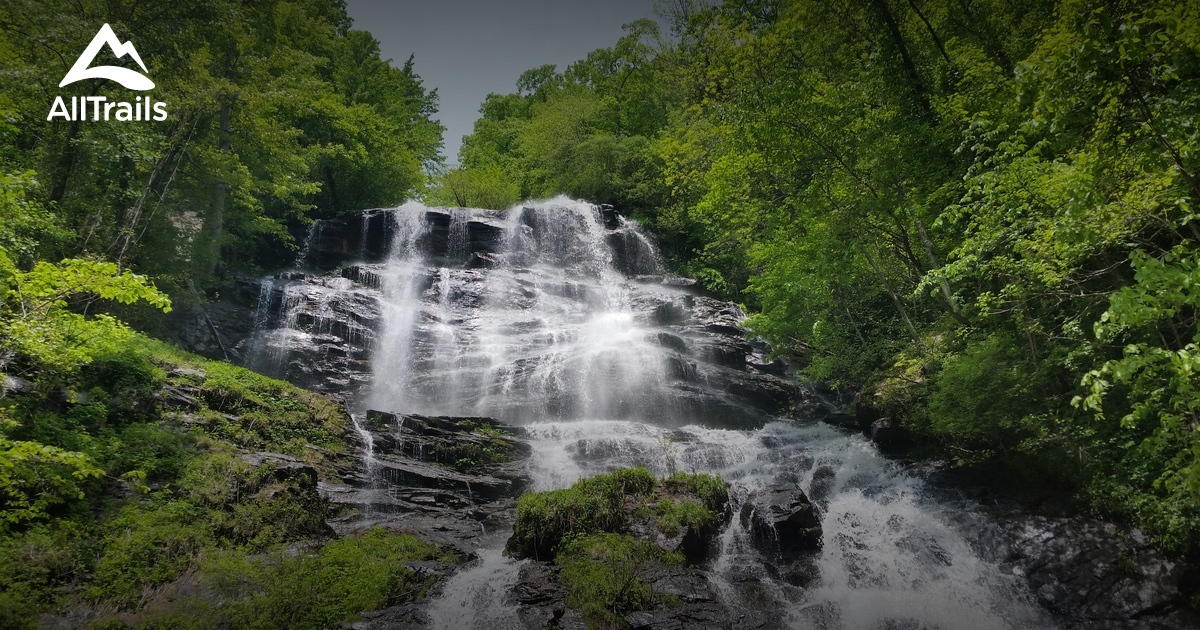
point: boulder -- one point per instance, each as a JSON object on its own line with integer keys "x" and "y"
{"x": 843, "y": 420}
{"x": 612, "y": 218}
{"x": 865, "y": 413}
{"x": 822, "y": 485}
{"x": 782, "y": 521}
{"x": 888, "y": 435}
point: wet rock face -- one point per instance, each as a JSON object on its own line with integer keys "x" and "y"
{"x": 782, "y": 522}
{"x": 482, "y": 280}
{"x": 453, "y": 479}
{"x": 367, "y": 237}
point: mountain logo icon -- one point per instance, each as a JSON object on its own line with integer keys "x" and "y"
{"x": 126, "y": 77}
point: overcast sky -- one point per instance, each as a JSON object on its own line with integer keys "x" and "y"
{"x": 468, "y": 48}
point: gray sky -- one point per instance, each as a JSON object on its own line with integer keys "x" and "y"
{"x": 468, "y": 48}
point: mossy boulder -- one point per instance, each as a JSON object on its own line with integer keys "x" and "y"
{"x": 681, "y": 513}
{"x": 625, "y": 547}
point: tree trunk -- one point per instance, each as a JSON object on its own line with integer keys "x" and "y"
{"x": 218, "y": 212}
{"x": 895, "y": 298}
{"x": 947, "y": 294}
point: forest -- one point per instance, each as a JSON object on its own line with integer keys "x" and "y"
{"x": 979, "y": 217}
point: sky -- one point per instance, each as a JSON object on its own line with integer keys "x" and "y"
{"x": 469, "y": 48}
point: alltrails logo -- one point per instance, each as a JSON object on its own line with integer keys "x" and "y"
{"x": 101, "y": 107}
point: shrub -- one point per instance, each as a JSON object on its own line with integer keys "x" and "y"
{"x": 146, "y": 546}
{"x": 35, "y": 478}
{"x": 591, "y": 505}
{"x": 33, "y": 565}
{"x": 606, "y": 576}
{"x": 711, "y": 489}
{"x": 673, "y": 517}
{"x": 344, "y": 578}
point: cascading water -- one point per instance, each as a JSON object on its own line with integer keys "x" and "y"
{"x": 555, "y": 316}
{"x": 547, "y": 332}
{"x": 889, "y": 556}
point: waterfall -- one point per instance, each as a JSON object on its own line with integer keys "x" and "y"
{"x": 548, "y": 332}
{"x": 402, "y": 284}
{"x": 556, "y": 316}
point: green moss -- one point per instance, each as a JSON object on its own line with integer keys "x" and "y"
{"x": 319, "y": 588}
{"x": 595, "y": 504}
{"x": 672, "y": 517}
{"x": 469, "y": 456}
{"x": 610, "y": 503}
{"x": 34, "y": 566}
{"x": 345, "y": 577}
{"x": 711, "y": 489}
{"x": 146, "y": 546}
{"x": 167, "y": 431}
{"x": 606, "y": 576}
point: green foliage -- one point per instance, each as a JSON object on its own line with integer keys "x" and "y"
{"x": 278, "y": 113}
{"x": 672, "y": 518}
{"x": 321, "y": 590}
{"x": 584, "y": 132}
{"x": 61, "y": 455}
{"x": 26, "y": 228}
{"x": 258, "y": 412}
{"x": 37, "y": 324}
{"x": 1155, "y": 389}
{"x": 483, "y": 187}
{"x": 681, "y": 503}
{"x": 145, "y": 547}
{"x": 606, "y": 576}
{"x": 594, "y": 504}
{"x": 978, "y": 393}
{"x": 33, "y": 565}
{"x": 712, "y": 490}
{"x": 468, "y": 456}
{"x": 36, "y": 477}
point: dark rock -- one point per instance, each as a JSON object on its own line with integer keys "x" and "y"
{"x": 682, "y": 369}
{"x": 674, "y": 342}
{"x": 843, "y": 420}
{"x": 366, "y": 275}
{"x": 776, "y": 366}
{"x": 541, "y": 599}
{"x": 727, "y": 353}
{"x": 822, "y": 485}
{"x": 484, "y": 237}
{"x": 414, "y": 478}
{"x": 669, "y": 313}
{"x": 217, "y": 330}
{"x": 750, "y": 397}
{"x": 612, "y": 219}
{"x": 680, "y": 281}
{"x": 329, "y": 243}
{"x": 316, "y": 330}
{"x": 375, "y": 229}
{"x": 633, "y": 255}
{"x": 889, "y": 435}
{"x": 1093, "y": 574}
{"x": 481, "y": 260}
{"x": 865, "y": 412}
{"x": 782, "y": 522}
